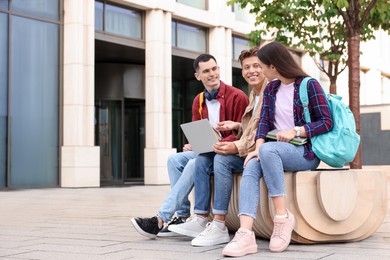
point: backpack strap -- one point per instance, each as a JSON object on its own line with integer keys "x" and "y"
{"x": 201, "y": 98}
{"x": 304, "y": 98}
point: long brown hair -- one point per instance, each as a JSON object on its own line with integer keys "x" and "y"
{"x": 274, "y": 53}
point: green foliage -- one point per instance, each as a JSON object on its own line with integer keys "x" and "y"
{"x": 314, "y": 26}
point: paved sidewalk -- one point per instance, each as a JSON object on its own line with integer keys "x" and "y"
{"x": 94, "y": 223}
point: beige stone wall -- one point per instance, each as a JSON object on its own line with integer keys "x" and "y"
{"x": 79, "y": 157}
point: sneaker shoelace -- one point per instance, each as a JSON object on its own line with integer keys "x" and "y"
{"x": 209, "y": 226}
{"x": 278, "y": 229}
{"x": 175, "y": 220}
{"x": 191, "y": 218}
{"x": 238, "y": 236}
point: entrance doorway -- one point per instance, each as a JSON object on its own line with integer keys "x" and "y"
{"x": 134, "y": 140}
{"x": 120, "y": 112}
{"x": 120, "y": 133}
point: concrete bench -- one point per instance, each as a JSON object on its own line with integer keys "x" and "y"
{"x": 329, "y": 206}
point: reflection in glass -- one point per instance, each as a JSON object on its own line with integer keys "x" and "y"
{"x": 173, "y": 34}
{"x": 191, "y": 38}
{"x": 34, "y": 103}
{"x": 123, "y": 22}
{"x": 239, "y": 44}
{"x": 201, "y": 4}
{"x": 4, "y": 4}
{"x": 3, "y": 97}
{"x": 99, "y": 15}
{"x": 109, "y": 126}
{"x": 243, "y": 15}
{"x": 42, "y": 8}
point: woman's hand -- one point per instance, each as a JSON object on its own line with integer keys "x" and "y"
{"x": 285, "y": 135}
{"x": 227, "y": 126}
{"x": 187, "y": 147}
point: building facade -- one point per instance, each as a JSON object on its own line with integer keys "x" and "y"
{"x": 93, "y": 92}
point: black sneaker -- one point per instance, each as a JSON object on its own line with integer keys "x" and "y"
{"x": 147, "y": 227}
{"x": 167, "y": 233}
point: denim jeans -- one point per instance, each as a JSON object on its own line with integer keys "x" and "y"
{"x": 181, "y": 169}
{"x": 275, "y": 159}
{"x": 203, "y": 171}
{"x": 223, "y": 167}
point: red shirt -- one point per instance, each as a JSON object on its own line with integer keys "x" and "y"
{"x": 233, "y": 103}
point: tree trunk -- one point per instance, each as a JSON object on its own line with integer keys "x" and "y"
{"x": 354, "y": 90}
{"x": 332, "y": 87}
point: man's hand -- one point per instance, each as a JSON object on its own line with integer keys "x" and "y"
{"x": 225, "y": 148}
{"x": 187, "y": 147}
{"x": 250, "y": 155}
{"x": 227, "y": 126}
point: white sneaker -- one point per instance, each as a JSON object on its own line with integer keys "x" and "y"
{"x": 212, "y": 236}
{"x": 191, "y": 227}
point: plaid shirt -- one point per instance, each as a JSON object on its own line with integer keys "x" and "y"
{"x": 321, "y": 118}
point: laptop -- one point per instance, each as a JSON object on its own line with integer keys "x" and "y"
{"x": 200, "y": 135}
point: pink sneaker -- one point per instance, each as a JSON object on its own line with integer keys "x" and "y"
{"x": 281, "y": 236}
{"x": 243, "y": 243}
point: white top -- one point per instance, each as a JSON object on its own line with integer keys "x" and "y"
{"x": 213, "y": 109}
{"x": 284, "y": 113}
{"x": 257, "y": 98}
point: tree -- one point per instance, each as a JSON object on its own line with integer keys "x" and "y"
{"x": 305, "y": 24}
{"x": 361, "y": 19}
{"x": 324, "y": 27}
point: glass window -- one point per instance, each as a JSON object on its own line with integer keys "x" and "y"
{"x": 239, "y": 44}
{"x": 385, "y": 89}
{"x": 34, "y": 80}
{"x": 41, "y": 8}
{"x": 3, "y": 97}
{"x": 4, "y": 4}
{"x": 191, "y": 38}
{"x": 239, "y": 82}
{"x": 123, "y": 21}
{"x": 173, "y": 34}
{"x": 109, "y": 124}
{"x": 99, "y": 15}
{"x": 201, "y": 4}
{"x": 243, "y": 15}
{"x": 364, "y": 97}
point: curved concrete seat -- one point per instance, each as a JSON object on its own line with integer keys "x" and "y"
{"x": 329, "y": 206}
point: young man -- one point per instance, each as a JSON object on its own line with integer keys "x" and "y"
{"x": 218, "y": 102}
{"x": 228, "y": 157}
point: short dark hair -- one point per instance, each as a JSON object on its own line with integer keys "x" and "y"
{"x": 248, "y": 53}
{"x": 202, "y": 58}
{"x": 274, "y": 53}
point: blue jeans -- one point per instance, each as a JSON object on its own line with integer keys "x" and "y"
{"x": 223, "y": 166}
{"x": 275, "y": 159}
{"x": 181, "y": 168}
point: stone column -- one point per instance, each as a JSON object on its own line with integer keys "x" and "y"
{"x": 79, "y": 157}
{"x": 158, "y": 95}
{"x": 220, "y": 46}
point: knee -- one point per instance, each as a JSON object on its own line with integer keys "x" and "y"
{"x": 172, "y": 159}
{"x": 266, "y": 149}
{"x": 219, "y": 160}
{"x": 190, "y": 165}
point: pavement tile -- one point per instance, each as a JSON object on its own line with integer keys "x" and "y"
{"x": 94, "y": 223}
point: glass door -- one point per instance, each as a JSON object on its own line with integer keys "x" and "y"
{"x": 134, "y": 140}
{"x": 109, "y": 138}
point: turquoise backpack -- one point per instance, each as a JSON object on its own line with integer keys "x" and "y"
{"x": 340, "y": 145}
